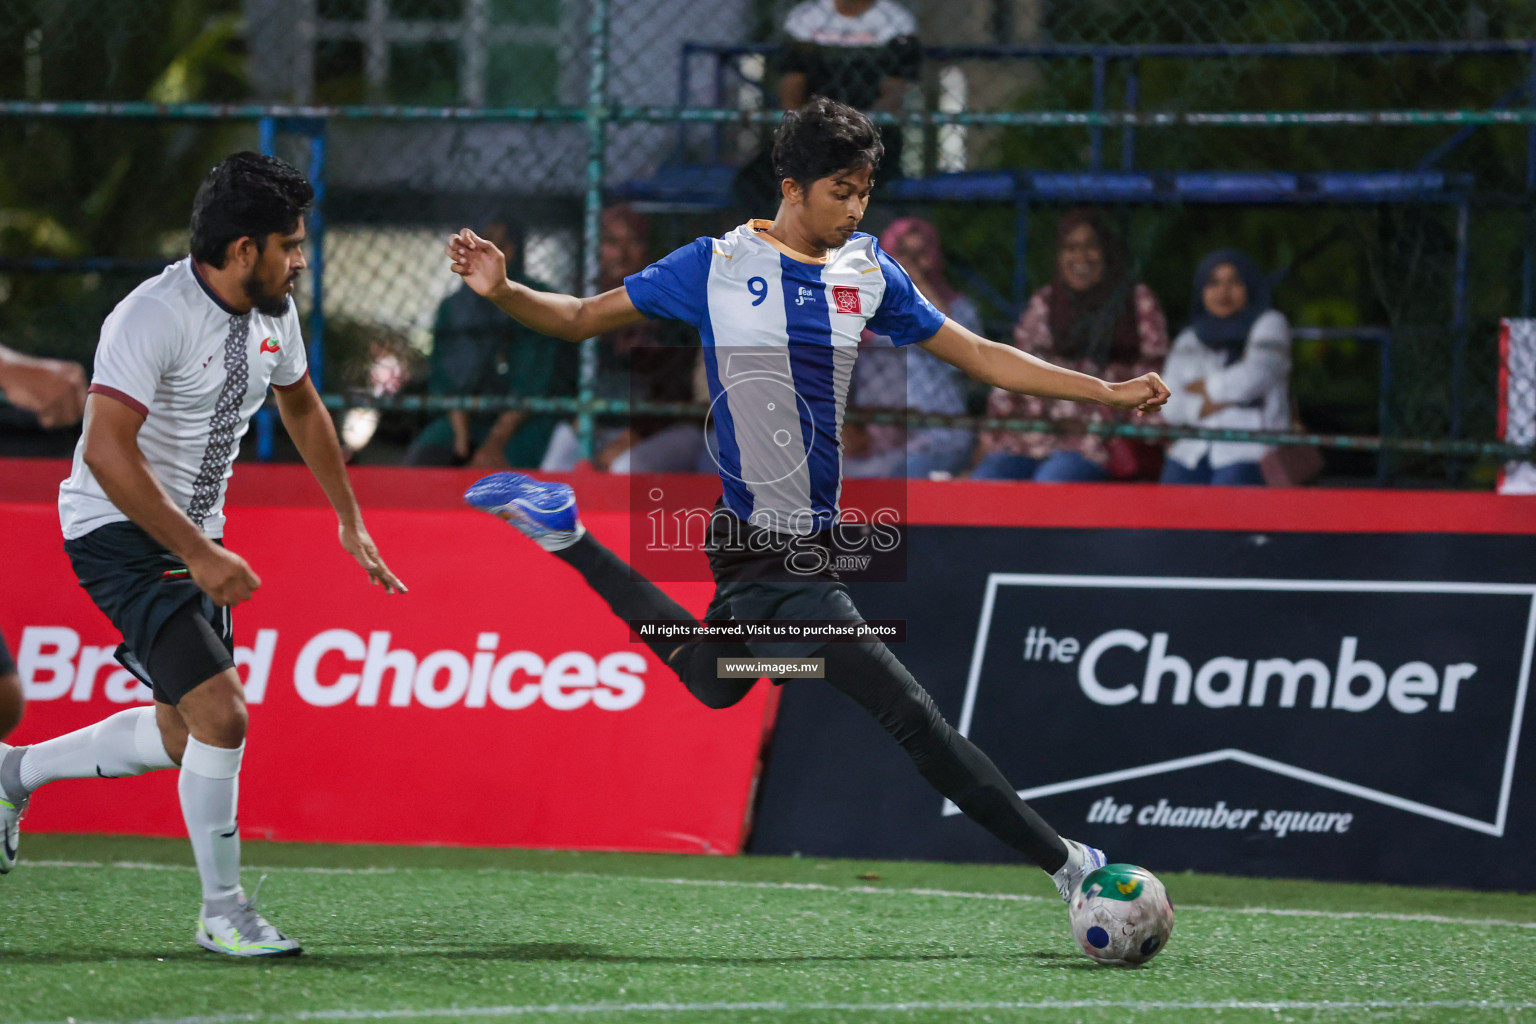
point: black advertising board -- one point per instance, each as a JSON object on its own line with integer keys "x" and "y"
{"x": 1326, "y": 705}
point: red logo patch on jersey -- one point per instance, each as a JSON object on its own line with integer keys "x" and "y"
{"x": 268, "y": 345}
{"x": 845, "y": 298}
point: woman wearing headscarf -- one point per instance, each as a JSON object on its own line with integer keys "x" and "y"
{"x": 1230, "y": 368}
{"x": 1094, "y": 317}
{"x": 911, "y": 377}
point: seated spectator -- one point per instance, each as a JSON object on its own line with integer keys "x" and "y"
{"x": 648, "y": 361}
{"x": 879, "y": 382}
{"x": 478, "y": 350}
{"x": 1230, "y": 368}
{"x": 860, "y": 52}
{"x": 1094, "y": 317}
{"x": 885, "y": 377}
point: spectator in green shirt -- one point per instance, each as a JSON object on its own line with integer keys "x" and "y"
{"x": 478, "y": 350}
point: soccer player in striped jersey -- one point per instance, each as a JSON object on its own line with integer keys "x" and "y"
{"x": 184, "y": 362}
{"x": 779, "y": 306}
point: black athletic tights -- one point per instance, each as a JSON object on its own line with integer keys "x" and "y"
{"x": 867, "y": 672}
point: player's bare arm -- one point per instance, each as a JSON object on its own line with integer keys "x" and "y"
{"x": 1012, "y": 369}
{"x": 484, "y": 268}
{"x": 309, "y": 424}
{"x": 54, "y": 389}
{"x": 111, "y": 451}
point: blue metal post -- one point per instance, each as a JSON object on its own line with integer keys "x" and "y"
{"x": 266, "y": 134}
{"x": 714, "y": 144}
{"x": 1459, "y": 330}
{"x": 1096, "y": 133}
{"x": 317, "y": 255}
{"x": 684, "y": 67}
{"x": 1021, "y": 255}
{"x": 1384, "y": 406}
{"x": 1128, "y": 134}
{"x": 1528, "y": 248}
{"x": 597, "y": 123}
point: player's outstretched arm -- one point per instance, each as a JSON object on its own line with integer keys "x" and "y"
{"x": 484, "y": 268}
{"x": 1012, "y": 369}
{"x": 112, "y": 452}
{"x": 309, "y": 424}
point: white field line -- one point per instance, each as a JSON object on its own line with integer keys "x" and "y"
{"x": 139, "y": 865}
{"x": 1335, "y": 915}
{"x": 859, "y": 890}
{"x": 957, "y": 1006}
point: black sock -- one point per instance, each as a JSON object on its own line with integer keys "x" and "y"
{"x": 632, "y": 596}
{"x": 952, "y": 764}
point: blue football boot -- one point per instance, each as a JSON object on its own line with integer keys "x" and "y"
{"x": 543, "y": 512}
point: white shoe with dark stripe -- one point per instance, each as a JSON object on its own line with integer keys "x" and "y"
{"x": 11, "y": 810}
{"x": 240, "y": 931}
{"x": 1082, "y": 861}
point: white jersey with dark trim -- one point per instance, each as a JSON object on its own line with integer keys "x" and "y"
{"x": 820, "y": 22}
{"x": 781, "y": 333}
{"x": 197, "y": 371}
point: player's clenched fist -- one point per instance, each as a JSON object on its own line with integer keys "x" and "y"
{"x": 223, "y": 575}
{"x": 54, "y": 389}
{"x": 1144, "y": 394}
{"x": 482, "y": 266}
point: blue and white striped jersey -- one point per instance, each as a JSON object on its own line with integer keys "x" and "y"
{"x": 781, "y": 332}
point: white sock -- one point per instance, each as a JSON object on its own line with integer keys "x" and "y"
{"x": 126, "y": 744}
{"x": 1075, "y": 855}
{"x": 210, "y": 794}
{"x": 550, "y": 542}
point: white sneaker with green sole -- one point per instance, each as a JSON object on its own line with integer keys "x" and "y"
{"x": 11, "y": 810}
{"x": 240, "y": 931}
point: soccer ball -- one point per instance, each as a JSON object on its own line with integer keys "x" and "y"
{"x": 1121, "y": 915}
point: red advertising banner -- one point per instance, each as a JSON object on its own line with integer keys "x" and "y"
{"x": 499, "y": 702}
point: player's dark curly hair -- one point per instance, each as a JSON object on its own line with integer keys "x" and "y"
{"x": 247, "y": 194}
{"x": 822, "y": 138}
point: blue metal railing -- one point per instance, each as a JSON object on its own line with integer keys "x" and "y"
{"x": 1099, "y": 187}
{"x": 311, "y": 123}
{"x": 1103, "y": 56}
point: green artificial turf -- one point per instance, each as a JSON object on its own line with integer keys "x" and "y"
{"x": 100, "y": 929}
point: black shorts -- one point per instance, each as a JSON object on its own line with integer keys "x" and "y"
{"x": 174, "y": 636}
{"x": 764, "y": 575}
{"x": 7, "y": 663}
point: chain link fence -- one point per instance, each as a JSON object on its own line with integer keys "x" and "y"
{"x": 1378, "y": 159}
